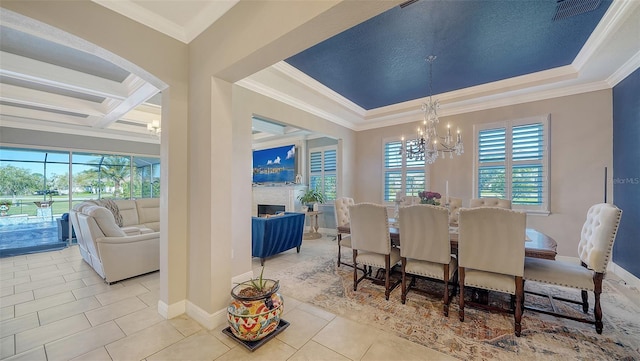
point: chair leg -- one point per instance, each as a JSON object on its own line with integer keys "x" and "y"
{"x": 445, "y": 299}
{"x": 355, "y": 270}
{"x": 585, "y": 301}
{"x": 597, "y": 290}
{"x": 518, "y": 306}
{"x": 387, "y": 266}
{"x": 404, "y": 281}
{"x": 339, "y": 247}
{"x": 461, "y": 283}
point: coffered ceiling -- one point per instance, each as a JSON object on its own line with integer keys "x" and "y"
{"x": 489, "y": 53}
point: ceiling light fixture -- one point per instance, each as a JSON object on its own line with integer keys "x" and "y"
{"x": 428, "y": 144}
{"x": 154, "y": 127}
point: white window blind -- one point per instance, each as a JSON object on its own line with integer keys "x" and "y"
{"x": 323, "y": 171}
{"x": 401, "y": 174}
{"x": 512, "y": 162}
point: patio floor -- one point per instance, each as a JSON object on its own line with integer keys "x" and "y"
{"x": 29, "y": 236}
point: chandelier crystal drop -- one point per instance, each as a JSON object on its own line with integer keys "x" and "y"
{"x": 428, "y": 144}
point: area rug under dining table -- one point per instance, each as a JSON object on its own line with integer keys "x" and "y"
{"x": 483, "y": 335}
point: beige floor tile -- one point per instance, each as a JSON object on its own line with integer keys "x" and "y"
{"x": 16, "y": 281}
{"x": 99, "y": 354}
{"x": 16, "y": 325}
{"x": 7, "y": 347}
{"x": 114, "y": 310}
{"x": 317, "y": 311}
{"x": 6, "y": 275}
{"x": 290, "y": 303}
{"x": 302, "y": 327}
{"x": 83, "y": 342}
{"x": 150, "y": 298}
{"x": 315, "y": 351}
{"x": 348, "y": 338}
{"x": 143, "y": 279}
{"x": 6, "y": 291}
{"x": 16, "y": 298}
{"x": 274, "y": 350}
{"x": 36, "y": 354}
{"x": 63, "y": 287}
{"x": 121, "y": 293}
{"x": 144, "y": 343}
{"x": 67, "y": 310}
{"x": 139, "y": 320}
{"x": 44, "y": 303}
{"x": 390, "y": 347}
{"x": 58, "y": 272}
{"x": 7, "y": 313}
{"x": 10, "y": 267}
{"x": 36, "y": 257}
{"x": 35, "y": 284}
{"x": 200, "y": 346}
{"x": 228, "y": 341}
{"x": 36, "y": 271}
{"x": 95, "y": 289}
{"x": 81, "y": 275}
{"x": 54, "y": 331}
{"x": 185, "y": 325}
{"x": 45, "y": 263}
{"x": 90, "y": 277}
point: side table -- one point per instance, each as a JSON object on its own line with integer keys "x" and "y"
{"x": 313, "y": 232}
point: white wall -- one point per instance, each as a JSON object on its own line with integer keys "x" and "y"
{"x": 581, "y": 146}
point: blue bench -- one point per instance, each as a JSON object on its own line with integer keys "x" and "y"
{"x": 270, "y": 236}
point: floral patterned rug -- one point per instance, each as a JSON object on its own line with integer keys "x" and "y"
{"x": 483, "y": 334}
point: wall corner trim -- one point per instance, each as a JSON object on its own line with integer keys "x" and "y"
{"x": 171, "y": 311}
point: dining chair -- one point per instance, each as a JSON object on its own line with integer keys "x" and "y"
{"x": 490, "y": 202}
{"x": 406, "y": 201}
{"x": 371, "y": 244}
{"x": 594, "y": 250}
{"x": 491, "y": 254}
{"x": 454, "y": 208}
{"x": 425, "y": 249}
{"x": 342, "y": 205}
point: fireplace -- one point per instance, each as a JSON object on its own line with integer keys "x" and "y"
{"x": 264, "y": 209}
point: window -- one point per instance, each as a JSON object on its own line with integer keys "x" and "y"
{"x": 512, "y": 162}
{"x": 401, "y": 174}
{"x": 322, "y": 171}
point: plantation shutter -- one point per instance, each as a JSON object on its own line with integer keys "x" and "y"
{"x": 528, "y": 172}
{"x": 323, "y": 172}
{"x": 491, "y": 158}
{"x": 401, "y": 175}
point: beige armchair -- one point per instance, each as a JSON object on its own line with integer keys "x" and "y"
{"x": 491, "y": 254}
{"x": 342, "y": 218}
{"x": 425, "y": 247}
{"x": 594, "y": 249}
{"x": 371, "y": 243}
{"x": 490, "y": 202}
{"x": 454, "y": 207}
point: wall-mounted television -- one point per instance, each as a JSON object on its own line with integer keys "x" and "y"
{"x": 274, "y": 165}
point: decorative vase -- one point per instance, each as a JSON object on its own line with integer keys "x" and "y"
{"x": 252, "y": 318}
{"x": 315, "y": 207}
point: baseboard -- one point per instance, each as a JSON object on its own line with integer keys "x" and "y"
{"x": 206, "y": 319}
{"x": 628, "y": 277}
{"x": 171, "y": 311}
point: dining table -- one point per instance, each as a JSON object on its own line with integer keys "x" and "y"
{"x": 537, "y": 244}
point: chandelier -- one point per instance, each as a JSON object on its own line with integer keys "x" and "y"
{"x": 428, "y": 144}
{"x": 154, "y": 127}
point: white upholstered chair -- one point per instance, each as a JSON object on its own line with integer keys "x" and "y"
{"x": 342, "y": 218}
{"x": 454, "y": 207}
{"x": 490, "y": 202}
{"x": 425, "y": 247}
{"x": 594, "y": 249}
{"x": 491, "y": 254}
{"x": 371, "y": 243}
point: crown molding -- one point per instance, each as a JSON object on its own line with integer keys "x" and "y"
{"x": 146, "y": 17}
{"x": 209, "y": 15}
{"x": 625, "y": 70}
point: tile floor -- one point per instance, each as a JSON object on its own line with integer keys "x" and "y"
{"x": 55, "y": 307}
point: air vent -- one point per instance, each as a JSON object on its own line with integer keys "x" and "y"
{"x": 568, "y": 8}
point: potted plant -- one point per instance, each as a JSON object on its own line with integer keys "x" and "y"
{"x": 255, "y": 310}
{"x": 5, "y": 205}
{"x": 310, "y": 197}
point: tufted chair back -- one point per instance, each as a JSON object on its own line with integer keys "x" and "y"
{"x": 342, "y": 210}
{"x": 370, "y": 228}
{"x": 490, "y": 202}
{"x": 597, "y": 236}
{"x": 454, "y": 209}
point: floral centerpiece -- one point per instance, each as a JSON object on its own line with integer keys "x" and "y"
{"x": 428, "y": 197}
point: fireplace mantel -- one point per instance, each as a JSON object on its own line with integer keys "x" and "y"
{"x": 286, "y": 195}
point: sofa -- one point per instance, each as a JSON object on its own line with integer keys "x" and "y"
{"x": 122, "y": 248}
{"x": 273, "y": 235}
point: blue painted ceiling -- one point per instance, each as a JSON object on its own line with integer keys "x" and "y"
{"x": 382, "y": 61}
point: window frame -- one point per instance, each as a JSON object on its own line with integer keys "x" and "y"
{"x": 404, "y": 169}
{"x": 509, "y": 163}
{"x": 323, "y": 171}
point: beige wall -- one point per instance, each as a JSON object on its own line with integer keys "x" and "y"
{"x": 581, "y": 146}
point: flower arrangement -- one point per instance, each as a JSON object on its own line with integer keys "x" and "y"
{"x": 428, "y": 197}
